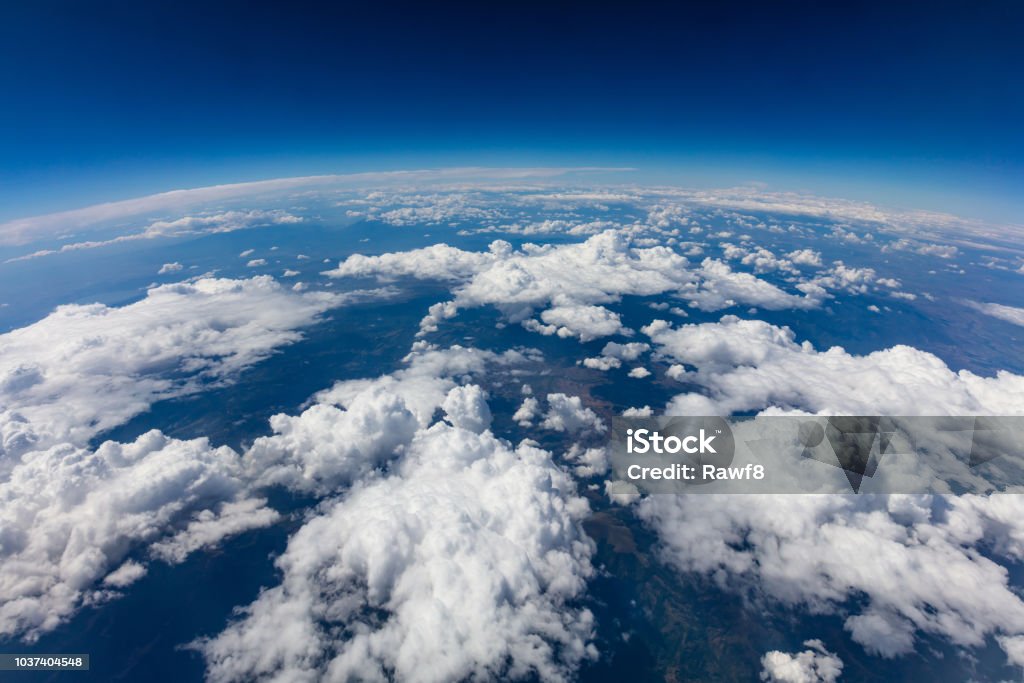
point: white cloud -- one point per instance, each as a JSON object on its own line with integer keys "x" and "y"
{"x": 587, "y": 462}
{"x": 646, "y": 411}
{"x": 598, "y": 271}
{"x": 86, "y": 368}
{"x": 169, "y": 268}
{"x": 69, "y": 517}
{"x": 568, "y": 414}
{"x": 924, "y": 575}
{"x": 256, "y": 262}
{"x": 227, "y": 221}
{"x": 326, "y": 446}
{"x": 357, "y": 426}
{"x": 1010, "y": 314}
{"x": 25, "y": 230}
{"x": 208, "y": 527}
{"x": 603, "y": 363}
{"x": 527, "y": 412}
{"x": 630, "y": 351}
{"x": 805, "y": 257}
{"x": 751, "y": 365}
{"x": 125, "y": 575}
{"x": 639, "y": 373}
{"x": 460, "y": 564}
{"x": 813, "y": 665}
{"x": 944, "y": 251}
{"x": 466, "y": 408}
{"x": 926, "y": 572}
{"x": 437, "y": 262}
{"x": 586, "y": 322}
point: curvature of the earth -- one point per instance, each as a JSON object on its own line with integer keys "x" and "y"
{"x": 381, "y": 412}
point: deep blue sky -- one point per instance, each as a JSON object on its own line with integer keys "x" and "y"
{"x": 909, "y": 103}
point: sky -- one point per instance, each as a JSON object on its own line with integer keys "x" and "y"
{"x": 909, "y": 104}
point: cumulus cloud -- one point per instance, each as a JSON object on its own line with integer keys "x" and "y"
{"x": 944, "y": 251}
{"x": 462, "y": 563}
{"x": 926, "y": 573}
{"x": 527, "y": 412}
{"x": 603, "y": 363}
{"x": 466, "y": 407}
{"x": 86, "y": 368}
{"x": 73, "y": 518}
{"x": 805, "y": 257}
{"x": 598, "y": 271}
{"x": 750, "y": 365}
{"x": 813, "y": 665}
{"x": 568, "y": 414}
{"x": 437, "y": 262}
{"x": 587, "y": 462}
{"x": 70, "y": 517}
{"x": 357, "y": 426}
{"x": 586, "y": 322}
{"x": 630, "y": 351}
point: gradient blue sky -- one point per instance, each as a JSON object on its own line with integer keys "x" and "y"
{"x": 909, "y": 104}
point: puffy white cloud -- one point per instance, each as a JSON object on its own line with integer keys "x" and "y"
{"x": 924, "y": 574}
{"x": 598, "y": 271}
{"x": 568, "y": 414}
{"x": 125, "y": 575}
{"x": 1010, "y": 314}
{"x": 527, "y": 412}
{"x": 548, "y": 227}
{"x": 751, "y": 365}
{"x": 1013, "y": 646}
{"x": 603, "y": 363}
{"x": 805, "y": 257}
{"x": 169, "y": 268}
{"x": 587, "y": 462}
{"x": 846, "y": 278}
{"x": 70, "y": 517}
{"x": 256, "y": 263}
{"x": 208, "y": 527}
{"x": 645, "y": 411}
{"x": 945, "y": 251}
{"x": 721, "y": 287}
{"x": 639, "y": 373}
{"x": 813, "y": 665}
{"x": 326, "y": 446}
{"x": 630, "y": 351}
{"x": 357, "y": 426}
{"x": 762, "y": 260}
{"x": 437, "y": 262}
{"x": 586, "y": 322}
{"x": 86, "y": 368}
{"x": 448, "y": 208}
{"x": 463, "y": 563}
{"x": 466, "y": 407}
